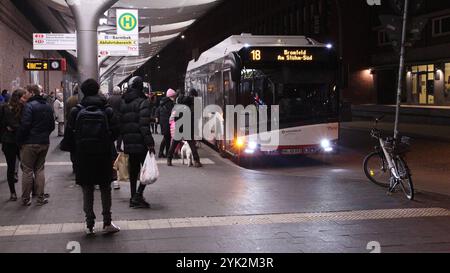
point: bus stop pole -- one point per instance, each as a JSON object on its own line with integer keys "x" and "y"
{"x": 401, "y": 68}
{"x": 87, "y": 14}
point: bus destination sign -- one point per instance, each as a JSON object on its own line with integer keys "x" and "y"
{"x": 287, "y": 55}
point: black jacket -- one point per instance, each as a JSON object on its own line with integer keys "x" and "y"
{"x": 10, "y": 124}
{"x": 114, "y": 101}
{"x": 94, "y": 170}
{"x": 163, "y": 114}
{"x": 37, "y": 122}
{"x": 135, "y": 118}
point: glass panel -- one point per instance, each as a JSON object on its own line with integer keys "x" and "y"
{"x": 423, "y": 89}
{"x": 415, "y": 69}
{"x": 431, "y": 76}
{"x": 414, "y": 85}
{"x": 445, "y": 25}
{"x": 422, "y": 68}
{"x": 430, "y": 67}
{"x": 447, "y": 82}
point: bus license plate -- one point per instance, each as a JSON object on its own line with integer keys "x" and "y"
{"x": 291, "y": 151}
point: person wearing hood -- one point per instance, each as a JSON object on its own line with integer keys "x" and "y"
{"x": 163, "y": 115}
{"x": 94, "y": 128}
{"x": 36, "y": 125}
{"x": 135, "y": 119}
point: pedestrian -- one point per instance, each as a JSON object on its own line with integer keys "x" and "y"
{"x": 94, "y": 127}
{"x": 5, "y": 95}
{"x": 11, "y": 115}
{"x": 58, "y": 108}
{"x": 162, "y": 115}
{"x": 135, "y": 118}
{"x": 36, "y": 125}
{"x": 184, "y": 101}
{"x": 114, "y": 101}
{"x": 72, "y": 101}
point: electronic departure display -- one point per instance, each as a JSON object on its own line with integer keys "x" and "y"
{"x": 287, "y": 55}
{"x": 31, "y": 64}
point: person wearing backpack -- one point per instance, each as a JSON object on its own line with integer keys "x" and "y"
{"x": 135, "y": 119}
{"x": 94, "y": 128}
{"x": 32, "y": 136}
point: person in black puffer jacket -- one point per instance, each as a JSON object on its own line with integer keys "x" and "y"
{"x": 163, "y": 115}
{"x": 135, "y": 119}
{"x": 36, "y": 125}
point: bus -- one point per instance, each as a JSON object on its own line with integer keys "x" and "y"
{"x": 296, "y": 73}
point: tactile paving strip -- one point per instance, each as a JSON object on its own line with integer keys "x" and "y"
{"x": 193, "y": 222}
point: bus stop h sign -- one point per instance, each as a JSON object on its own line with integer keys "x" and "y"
{"x": 127, "y": 22}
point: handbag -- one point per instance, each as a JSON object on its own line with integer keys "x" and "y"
{"x": 121, "y": 166}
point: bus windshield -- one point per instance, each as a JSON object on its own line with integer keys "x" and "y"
{"x": 305, "y": 96}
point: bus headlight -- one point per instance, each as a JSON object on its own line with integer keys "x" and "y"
{"x": 252, "y": 145}
{"x": 326, "y": 145}
{"x": 240, "y": 143}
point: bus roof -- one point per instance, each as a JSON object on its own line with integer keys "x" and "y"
{"x": 236, "y": 42}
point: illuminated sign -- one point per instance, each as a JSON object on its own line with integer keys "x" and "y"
{"x": 44, "y": 64}
{"x": 127, "y": 21}
{"x": 287, "y": 55}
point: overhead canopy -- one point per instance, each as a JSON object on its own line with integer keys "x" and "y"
{"x": 160, "y": 22}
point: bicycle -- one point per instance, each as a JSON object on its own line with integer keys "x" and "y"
{"x": 386, "y": 166}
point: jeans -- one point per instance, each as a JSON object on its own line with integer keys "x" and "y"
{"x": 165, "y": 144}
{"x": 88, "y": 204}
{"x": 134, "y": 168}
{"x": 12, "y": 153}
{"x": 191, "y": 144}
{"x": 33, "y": 160}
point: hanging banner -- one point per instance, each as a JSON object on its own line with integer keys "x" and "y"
{"x": 118, "y": 45}
{"x": 127, "y": 21}
{"x": 54, "y": 41}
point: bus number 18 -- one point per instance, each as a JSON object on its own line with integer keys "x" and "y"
{"x": 256, "y": 55}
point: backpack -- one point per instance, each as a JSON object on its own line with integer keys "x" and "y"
{"x": 92, "y": 133}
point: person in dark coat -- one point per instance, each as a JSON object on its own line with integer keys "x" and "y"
{"x": 135, "y": 119}
{"x": 114, "y": 101}
{"x": 95, "y": 169}
{"x": 12, "y": 113}
{"x": 163, "y": 115}
{"x": 32, "y": 136}
{"x": 186, "y": 101}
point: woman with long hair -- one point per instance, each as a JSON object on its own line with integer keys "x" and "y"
{"x": 11, "y": 120}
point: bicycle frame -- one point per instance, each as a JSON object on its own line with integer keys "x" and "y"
{"x": 389, "y": 159}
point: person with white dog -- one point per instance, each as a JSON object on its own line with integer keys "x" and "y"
{"x": 189, "y": 102}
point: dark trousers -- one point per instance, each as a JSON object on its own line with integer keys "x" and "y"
{"x": 191, "y": 143}
{"x": 134, "y": 168}
{"x": 165, "y": 144}
{"x": 88, "y": 204}
{"x": 12, "y": 153}
{"x": 74, "y": 162}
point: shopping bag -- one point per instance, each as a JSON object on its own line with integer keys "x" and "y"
{"x": 149, "y": 171}
{"x": 121, "y": 166}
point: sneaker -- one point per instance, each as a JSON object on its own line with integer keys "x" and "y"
{"x": 90, "y": 231}
{"x": 169, "y": 162}
{"x": 139, "y": 202}
{"x": 197, "y": 164}
{"x": 116, "y": 185}
{"x": 26, "y": 202}
{"x": 42, "y": 201}
{"x": 110, "y": 229}
{"x": 13, "y": 197}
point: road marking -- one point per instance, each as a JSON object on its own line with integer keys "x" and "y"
{"x": 214, "y": 221}
{"x": 205, "y": 161}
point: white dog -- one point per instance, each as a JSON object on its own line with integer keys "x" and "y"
{"x": 186, "y": 152}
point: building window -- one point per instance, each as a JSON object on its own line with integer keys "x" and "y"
{"x": 423, "y": 84}
{"x": 383, "y": 38}
{"x": 447, "y": 82}
{"x": 441, "y": 26}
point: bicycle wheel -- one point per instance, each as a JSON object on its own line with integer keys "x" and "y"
{"x": 406, "y": 183}
{"x": 377, "y": 169}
